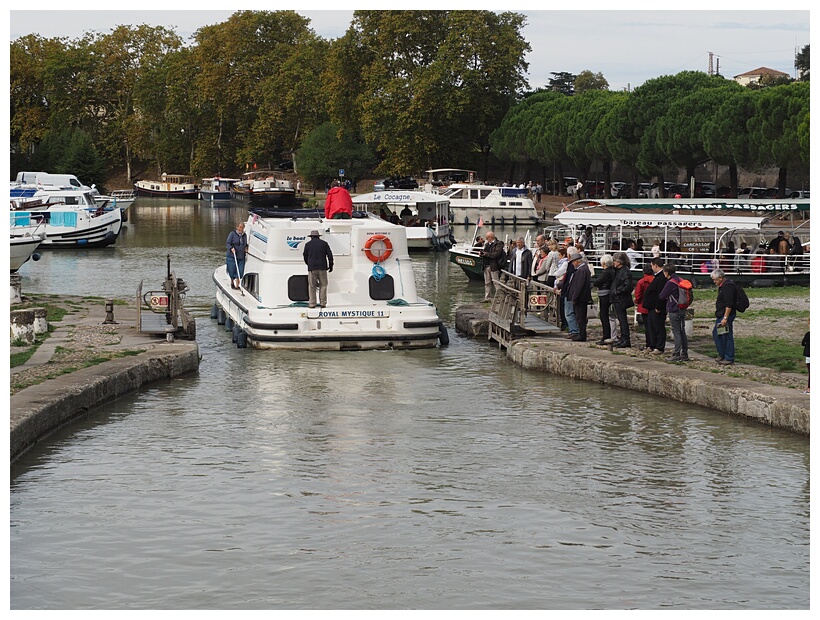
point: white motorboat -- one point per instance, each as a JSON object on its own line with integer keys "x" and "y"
{"x": 496, "y": 206}
{"x": 69, "y": 218}
{"x": 425, "y": 216}
{"x": 216, "y": 188}
{"x": 23, "y": 245}
{"x": 372, "y": 302}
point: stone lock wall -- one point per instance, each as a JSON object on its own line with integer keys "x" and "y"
{"x": 27, "y": 324}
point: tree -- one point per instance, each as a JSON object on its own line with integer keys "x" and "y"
{"x": 426, "y": 86}
{"x": 562, "y": 82}
{"x": 777, "y": 125}
{"x": 587, "y": 80}
{"x": 329, "y": 148}
{"x": 801, "y": 63}
{"x": 724, "y": 133}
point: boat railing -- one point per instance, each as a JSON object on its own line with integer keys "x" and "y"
{"x": 758, "y": 262}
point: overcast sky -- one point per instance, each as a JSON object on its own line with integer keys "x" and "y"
{"x": 627, "y": 46}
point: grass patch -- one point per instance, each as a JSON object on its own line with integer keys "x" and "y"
{"x": 774, "y": 313}
{"x": 707, "y": 294}
{"x": 764, "y": 352}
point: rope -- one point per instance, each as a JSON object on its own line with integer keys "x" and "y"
{"x": 378, "y": 272}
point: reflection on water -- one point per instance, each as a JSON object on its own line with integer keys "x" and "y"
{"x": 442, "y": 478}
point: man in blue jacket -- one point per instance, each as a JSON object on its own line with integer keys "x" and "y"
{"x": 319, "y": 261}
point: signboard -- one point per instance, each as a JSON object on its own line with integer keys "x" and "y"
{"x": 158, "y": 302}
{"x": 537, "y": 301}
{"x": 341, "y": 172}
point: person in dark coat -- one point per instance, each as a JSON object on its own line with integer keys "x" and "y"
{"x": 603, "y": 282}
{"x": 521, "y": 260}
{"x": 725, "y": 313}
{"x": 579, "y": 293}
{"x": 493, "y": 250}
{"x": 319, "y": 260}
{"x": 621, "y": 297}
{"x": 656, "y": 319}
{"x": 806, "y": 341}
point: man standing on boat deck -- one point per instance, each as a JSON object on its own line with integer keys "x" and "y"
{"x": 319, "y": 260}
{"x": 236, "y": 245}
{"x": 491, "y": 253}
{"x": 338, "y": 204}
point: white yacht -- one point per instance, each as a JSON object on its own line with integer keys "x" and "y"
{"x": 372, "y": 302}
{"x": 496, "y": 206}
{"x": 70, "y": 218}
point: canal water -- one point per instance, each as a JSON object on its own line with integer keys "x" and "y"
{"x": 435, "y": 479}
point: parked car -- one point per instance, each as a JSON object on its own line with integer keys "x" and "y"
{"x": 655, "y": 193}
{"x": 399, "y": 183}
{"x": 595, "y": 189}
{"x": 681, "y": 189}
{"x": 618, "y": 189}
{"x": 705, "y": 189}
{"x": 378, "y": 186}
{"x": 286, "y": 164}
{"x": 798, "y": 194}
{"x": 774, "y": 192}
{"x": 569, "y": 184}
{"x": 751, "y": 192}
{"x": 724, "y": 191}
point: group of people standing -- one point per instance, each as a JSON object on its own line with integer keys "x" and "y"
{"x": 566, "y": 269}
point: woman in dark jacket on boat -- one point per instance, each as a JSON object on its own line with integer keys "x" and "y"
{"x": 603, "y": 282}
{"x": 621, "y": 296}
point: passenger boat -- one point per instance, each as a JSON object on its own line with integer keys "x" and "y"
{"x": 216, "y": 188}
{"x": 372, "y": 302}
{"x": 266, "y": 188}
{"x": 169, "y": 186}
{"x": 698, "y": 235}
{"x": 425, "y": 217}
{"x": 497, "y": 206}
{"x": 69, "y": 219}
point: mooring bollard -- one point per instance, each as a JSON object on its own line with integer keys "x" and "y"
{"x": 109, "y": 312}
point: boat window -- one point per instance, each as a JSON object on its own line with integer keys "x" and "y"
{"x": 502, "y": 203}
{"x": 474, "y": 194}
{"x": 458, "y": 193}
{"x": 71, "y": 200}
{"x": 250, "y": 282}
{"x": 298, "y": 288}
{"x": 485, "y": 193}
{"x": 381, "y": 289}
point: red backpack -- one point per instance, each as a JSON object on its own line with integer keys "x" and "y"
{"x": 686, "y": 294}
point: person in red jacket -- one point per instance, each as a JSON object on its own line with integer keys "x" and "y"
{"x": 640, "y": 288}
{"x": 338, "y": 204}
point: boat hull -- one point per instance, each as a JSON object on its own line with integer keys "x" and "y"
{"x": 22, "y": 249}
{"x": 495, "y": 216}
{"x": 348, "y": 327}
{"x": 471, "y": 265}
{"x": 191, "y": 194}
{"x": 267, "y": 199}
{"x": 211, "y": 195}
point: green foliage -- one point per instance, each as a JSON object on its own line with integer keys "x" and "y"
{"x": 587, "y": 81}
{"x": 327, "y": 149}
{"x": 802, "y": 64}
{"x": 562, "y": 82}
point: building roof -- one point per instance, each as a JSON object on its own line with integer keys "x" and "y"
{"x": 761, "y": 71}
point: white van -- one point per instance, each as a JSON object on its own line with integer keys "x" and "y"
{"x": 44, "y": 178}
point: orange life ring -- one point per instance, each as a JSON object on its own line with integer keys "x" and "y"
{"x": 384, "y": 254}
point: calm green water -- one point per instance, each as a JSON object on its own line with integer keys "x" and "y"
{"x": 436, "y": 479}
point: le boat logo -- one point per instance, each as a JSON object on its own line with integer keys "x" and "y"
{"x": 294, "y": 241}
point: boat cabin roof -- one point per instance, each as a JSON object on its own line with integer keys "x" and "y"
{"x": 400, "y": 197}
{"x": 659, "y": 220}
{"x": 688, "y": 205}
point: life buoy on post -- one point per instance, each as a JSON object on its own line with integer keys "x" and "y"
{"x": 381, "y": 252}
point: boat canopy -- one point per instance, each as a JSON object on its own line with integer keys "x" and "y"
{"x": 695, "y": 204}
{"x": 399, "y": 197}
{"x": 449, "y": 175}
{"x": 655, "y": 220}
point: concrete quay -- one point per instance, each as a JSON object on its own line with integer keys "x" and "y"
{"x": 776, "y": 406}
{"x": 38, "y": 410}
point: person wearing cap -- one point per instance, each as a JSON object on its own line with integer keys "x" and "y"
{"x": 236, "y": 246}
{"x": 338, "y": 204}
{"x": 579, "y": 294}
{"x": 319, "y": 260}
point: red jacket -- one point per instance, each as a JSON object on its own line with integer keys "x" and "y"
{"x": 338, "y": 201}
{"x": 640, "y": 288}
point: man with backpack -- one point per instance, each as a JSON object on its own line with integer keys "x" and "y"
{"x": 678, "y": 298}
{"x": 730, "y": 300}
